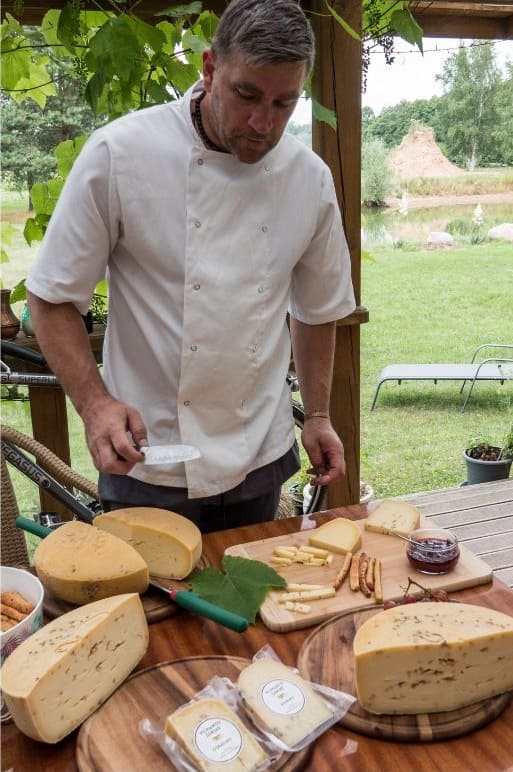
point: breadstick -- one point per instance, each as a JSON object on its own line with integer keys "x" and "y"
{"x": 339, "y": 579}
{"x": 17, "y": 601}
{"x": 12, "y": 613}
{"x": 7, "y": 623}
{"x": 378, "y": 588}
{"x": 362, "y": 575}
{"x": 370, "y": 573}
{"x": 354, "y": 581}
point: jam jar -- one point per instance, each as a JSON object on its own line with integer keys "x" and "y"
{"x": 433, "y": 550}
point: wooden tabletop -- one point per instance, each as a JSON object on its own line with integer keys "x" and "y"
{"x": 488, "y": 749}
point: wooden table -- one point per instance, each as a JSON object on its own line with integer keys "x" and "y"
{"x": 489, "y": 749}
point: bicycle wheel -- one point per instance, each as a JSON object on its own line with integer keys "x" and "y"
{"x": 305, "y": 498}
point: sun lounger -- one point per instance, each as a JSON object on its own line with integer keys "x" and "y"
{"x": 489, "y": 369}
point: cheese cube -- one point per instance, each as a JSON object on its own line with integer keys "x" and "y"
{"x": 430, "y": 657}
{"x": 338, "y": 535}
{"x": 282, "y": 702}
{"x": 62, "y": 673}
{"x": 392, "y": 515}
{"x": 80, "y": 564}
{"x": 169, "y": 543}
{"x": 215, "y": 738}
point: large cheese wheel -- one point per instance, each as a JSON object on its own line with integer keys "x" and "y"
{"x": 431, "y": 657}
{"x": 80, "y": 564}
{"x": 61, "y": 674}
{"x": 169, "y": 543}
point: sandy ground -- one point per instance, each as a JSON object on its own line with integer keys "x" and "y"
{"x": 419, "y": 202}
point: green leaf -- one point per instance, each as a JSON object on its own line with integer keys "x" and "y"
{"x": 241, "y": 588}
{"x": 324, "y": 114}
{"x": 66, "y": 154}
{"x": 178, "y": 11}
{"x": 347, "y": 27}
{"x": 19, "y": 292}
{"x": 7, "y": 232}
{"x": 34, "y": 228}
{"x": 406, "y": 26}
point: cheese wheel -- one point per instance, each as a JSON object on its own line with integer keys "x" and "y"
{"x": 393, "y": 515}
{"x": 338, "y": 535}
{"x": 283, "y": 703}
{"x": 169, "y": 543}
{"x": 215, "y": 738}
{"x": 61, "y": 674}
{"x": 428, "y": 657}
{"x": 80, "y": 564}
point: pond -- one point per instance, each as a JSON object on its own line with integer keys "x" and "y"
{"x": 389, "y": 226}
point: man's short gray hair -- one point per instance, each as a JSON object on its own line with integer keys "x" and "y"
{"x": 265, "y": 32}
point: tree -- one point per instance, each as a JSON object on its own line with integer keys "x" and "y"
{"x": 376, "y": 176}
{"x": 501, "y": 146}
{"x": 394, "y": 122}
{"x": 468, "y": 114}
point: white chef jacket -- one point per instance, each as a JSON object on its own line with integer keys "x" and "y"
{"x": 204, "y": 256}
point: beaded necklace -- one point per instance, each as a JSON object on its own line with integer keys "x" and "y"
{"x": 198, "y": 123}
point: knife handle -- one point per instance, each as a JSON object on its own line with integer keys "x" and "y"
{"x": 26, "y": 524}
{"x": 204, "y": 608}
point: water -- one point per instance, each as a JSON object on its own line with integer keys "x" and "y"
{"x": 389, "y": 226}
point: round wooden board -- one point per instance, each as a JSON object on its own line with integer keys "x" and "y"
{"x": 326, "y": 657}
{"x": 109, "y": 741}
{"x": 156, "y": 604}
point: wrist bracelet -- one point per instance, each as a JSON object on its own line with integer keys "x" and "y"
{"x": 316, "y": 414}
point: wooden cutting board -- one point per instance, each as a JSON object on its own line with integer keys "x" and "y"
{"x": 109, "y": 741}
{"x": 156, "y": 604}
{"x": 326, "y": 656}
{"x": 469, "y": 572}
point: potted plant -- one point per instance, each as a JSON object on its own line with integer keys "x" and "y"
{"x": 486, "y": 461}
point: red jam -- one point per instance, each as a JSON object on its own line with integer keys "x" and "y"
{"x": 433, "y": 554}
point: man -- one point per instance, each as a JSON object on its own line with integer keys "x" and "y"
{"x": 211, "y": 224}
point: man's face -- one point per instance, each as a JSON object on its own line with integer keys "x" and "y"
{"x": 247, "y": 107}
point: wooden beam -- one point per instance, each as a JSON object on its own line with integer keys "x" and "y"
{"x": 337, "y": 85}
{"x": 473, "y": 27}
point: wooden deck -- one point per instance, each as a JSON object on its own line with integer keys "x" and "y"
{"x": 482, "y": 518}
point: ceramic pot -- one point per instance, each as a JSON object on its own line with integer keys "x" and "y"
{"x": 9, "y": 322}
{"x": 485, "y": 471}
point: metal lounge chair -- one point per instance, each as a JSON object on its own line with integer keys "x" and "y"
{"x": 494, "y": 368}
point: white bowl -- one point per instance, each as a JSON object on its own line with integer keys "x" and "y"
{"x": 32, "y": 590}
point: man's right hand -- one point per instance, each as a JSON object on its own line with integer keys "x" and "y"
{"x": 114, "y": 431}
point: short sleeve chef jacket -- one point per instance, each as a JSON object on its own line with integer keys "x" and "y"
{"x": 204, "y": 256}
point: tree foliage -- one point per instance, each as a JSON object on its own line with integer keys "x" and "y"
{"x": 376, "y": 176}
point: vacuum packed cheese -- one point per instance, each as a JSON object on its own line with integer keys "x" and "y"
{"x": 392, "y": 515}
{"x": 62, "y": 673}
{"x": 282, "y": 702}
{"x": 215, "y": 738}
{"x": 169, "y": 543}
{"x": 431, "y": 657}
{"x": 338, "y": 535}
{"x": 80, "y": 564}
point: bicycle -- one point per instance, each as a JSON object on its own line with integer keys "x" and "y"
{"x": 305, "y": 499}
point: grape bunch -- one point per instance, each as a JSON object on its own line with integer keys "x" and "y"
{"x": 408, "y": 597}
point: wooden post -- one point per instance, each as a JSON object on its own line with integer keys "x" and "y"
{"x": 337, "y": 84}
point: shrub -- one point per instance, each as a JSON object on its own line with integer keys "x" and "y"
{"x": 376, "y": 176}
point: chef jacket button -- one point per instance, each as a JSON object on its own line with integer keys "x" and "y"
{"x": 260, "y": 289}
{"x": 194, "y": 348}
{"x": 254, "y": 348}
{"x": 197, "y": 224}
{"x": 197, "y": 286}
{"x": 187, "y": 402}
{"x": 200, "y": 161}
{"x": 264, "y": 228}
{"x": 267, "y": 168}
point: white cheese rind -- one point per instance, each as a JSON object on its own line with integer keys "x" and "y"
{"x": 61, "y": 674}
{"x": 215, "y": 738}
{"x": 282, "y": 702}
{"x": 169, "y": 543}
{"x": 338, "y": 535}
{"x": 432, "y": 657}
{"x": 80, "y": 564}
{"x": 393, "y": 515}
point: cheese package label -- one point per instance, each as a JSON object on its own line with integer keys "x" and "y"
{"x": 169, "y": 543}
{"x": 80, "y": 564}
{"x": 215, "y": 738}
{"x": 429, "y": 657}
{"x": 62, "y": 673}
{"x": 338, "y": 535}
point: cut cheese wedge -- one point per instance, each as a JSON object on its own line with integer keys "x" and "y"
{"x": 432, "y": 657}
{"x": 80, "y": 564}
{"x": 215, "y": 738}
{"x": 169, "y": 543}
{"x": 282, "y": 703}
{"x": 61, "y": 674}
{"x": 393, "y": 515}
{"x": 338, "y": 535}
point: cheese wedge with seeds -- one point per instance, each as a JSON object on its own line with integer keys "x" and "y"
{"x": 393, "y": 515}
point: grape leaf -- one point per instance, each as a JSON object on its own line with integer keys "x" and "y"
{"x": 241, "y": 588}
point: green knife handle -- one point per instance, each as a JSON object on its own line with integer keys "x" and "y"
{"x": 209, "y": 610}
{"x": 32, "y": 527}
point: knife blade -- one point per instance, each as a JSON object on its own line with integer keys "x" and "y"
{"x": 192, "y": 602}
{"x": 169, "y": 454}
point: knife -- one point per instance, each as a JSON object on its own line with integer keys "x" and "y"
{"x": 192, "y": 602}
{"x": 169, "y": 454}
{"x": 184, "y": 598}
